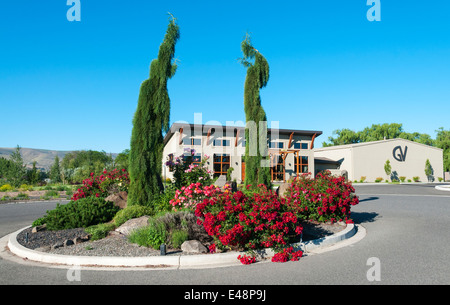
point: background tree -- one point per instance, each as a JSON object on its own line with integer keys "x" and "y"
{"x": 443, "y": 141}
{"x": 34, "y": 176}
{"x": 150, "y": 121}
{"x": 78, "y": 165}
{"x": 376, "y": 132}
{"x": 256, "y": 79}
{"x": 121, "y": 161}
{"x": 17, "y": 171}
{"x": 55, "y": 171}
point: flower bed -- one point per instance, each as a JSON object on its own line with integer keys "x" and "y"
{"x": 248, "y": 221}
{"x": 325, "y": 198}
{"x": 101, "y": 186}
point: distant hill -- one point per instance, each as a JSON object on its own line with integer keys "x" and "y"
{"x": 44, "y": 158}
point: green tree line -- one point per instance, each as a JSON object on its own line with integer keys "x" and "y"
{"x": 73, "y": 168}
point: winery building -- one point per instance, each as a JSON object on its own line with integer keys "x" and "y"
{"x": 407, "y": 159}
{"x": 291, "y": 151}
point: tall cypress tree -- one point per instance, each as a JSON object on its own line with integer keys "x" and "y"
{"x": 256, "y": 171}
{"x": 150, "y": 121}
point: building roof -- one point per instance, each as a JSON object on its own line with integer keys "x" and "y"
{"x": 346, "y": 146}
{"x": 204, "y": 129}
{"x": 324, "y": 160}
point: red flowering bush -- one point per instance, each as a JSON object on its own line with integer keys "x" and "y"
{"x": 186, "y": 172}
{"x": 286, "y": 255}
{"x": 325, "y": 198}
{"x": 101, "y": 186}
{"x": 247, "y": 259}
{"x": 189, "y": 196}
{"x": 247, "y": 222}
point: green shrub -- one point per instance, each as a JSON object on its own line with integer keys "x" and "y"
{"x": 100, "y": 231}
{"x": 39, "y": 222}
{"x": 171, "y": 228}
{"x": 26, "y": 187}
{"x": 51, "y": 193}
{"x": 6, "y": 188}
{"x": 153, "y": 235}
{"x": 178, "y": 237}
{"x": 440, "y": 179}
{"x": 63, "y": 188}
{"x": 130, "y": 212}
{"x": 21, "y": 196}
{"x": 162, "y": 202}
{"x": 416, "y": 179}
{"x": 82, "y": 213}
{"x": 402, "y": 178}
{"x": 378, "y": 180}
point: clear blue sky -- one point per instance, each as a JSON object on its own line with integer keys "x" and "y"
{"x": 74, "y": 85}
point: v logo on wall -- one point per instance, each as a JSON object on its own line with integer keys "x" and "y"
{"x": 400, "y": 155}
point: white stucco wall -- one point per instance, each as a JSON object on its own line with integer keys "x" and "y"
{"x": 368, "y": 159}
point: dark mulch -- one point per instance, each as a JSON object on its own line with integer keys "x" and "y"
{"x": 48, "y": 238}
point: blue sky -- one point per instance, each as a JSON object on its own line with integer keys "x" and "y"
{"x": 74, "y": 85}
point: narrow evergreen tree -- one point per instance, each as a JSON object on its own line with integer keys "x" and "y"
{"x": 257, "y": 78}
{"x": 55, "y": 171}
{"x": 150, "y": 121}
{"x": 17, "y": 171}
{"x": 34, "y": 175}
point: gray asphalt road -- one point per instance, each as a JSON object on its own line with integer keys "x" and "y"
{"x": 407, "y": 232}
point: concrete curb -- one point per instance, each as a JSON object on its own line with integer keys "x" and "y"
{"x": 443, "y": 187}
{"x": 169, "y": 261}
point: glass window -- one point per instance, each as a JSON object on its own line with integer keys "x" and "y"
{"x": 277, "y": 168}
{"x": 221, "y": 142}
{"x": 221, "y": 164}
{"x": 196, "y": 159}
{"x": 276, "y": 145}
{"x": 302, "y": 165}
{"x": 299, "y": 145}
{"x": 192, "y": 141}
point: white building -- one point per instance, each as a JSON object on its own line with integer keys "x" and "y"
{"x": 291, "y": 151}
{"x": 367, "y": 159}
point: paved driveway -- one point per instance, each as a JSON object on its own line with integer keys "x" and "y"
{"x": 407, "y": 232}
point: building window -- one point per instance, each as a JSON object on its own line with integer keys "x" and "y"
{"x": 301, "y": 163}
{"x": 170, "y": 163}
{"x": 192, "y": 141}
{"x": 300, "y": 145}
{"x": 194, "y": 159}
{"x": 276, "y": 144}
{"x": 277, "y": 169}
{"x": 221, "y": 164}
{"x": 221, "y": 142}
{"x": 197, "y": 159}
